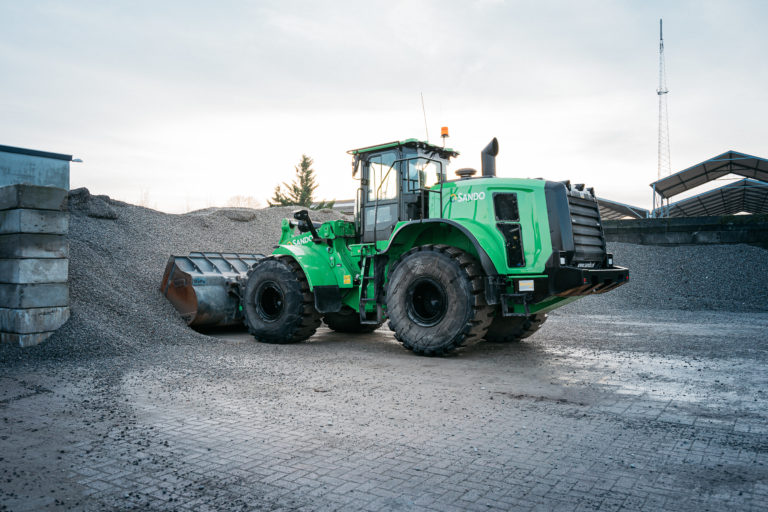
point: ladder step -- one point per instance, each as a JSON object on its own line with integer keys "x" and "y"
{"x": 365, "y": 279}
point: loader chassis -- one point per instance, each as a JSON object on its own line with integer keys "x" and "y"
{"x": 448, "y": 262}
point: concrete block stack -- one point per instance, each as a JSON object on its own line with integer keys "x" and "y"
{"x": 34, "y": 265}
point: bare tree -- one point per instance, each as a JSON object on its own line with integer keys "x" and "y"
{"x": 243, "y": 202}
{"x": 145, "y": 198}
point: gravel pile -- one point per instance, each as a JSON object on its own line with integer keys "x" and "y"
{"x": 118, "y": 253}
{"x": 697, "y": 277}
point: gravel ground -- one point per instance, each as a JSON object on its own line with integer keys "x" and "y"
{"x": 103, "y": 383}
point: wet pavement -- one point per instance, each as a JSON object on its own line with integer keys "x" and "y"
{"x": 638, "y": 410}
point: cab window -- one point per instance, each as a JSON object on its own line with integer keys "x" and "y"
{"x": 382, "y": 175}
{"x": 422, "y": 173}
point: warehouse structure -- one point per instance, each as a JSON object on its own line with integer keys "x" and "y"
{"x": 748, "y": 195}
{"x": 614, "y": 210}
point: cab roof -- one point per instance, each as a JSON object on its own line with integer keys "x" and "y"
{"x": 408, "y": 143}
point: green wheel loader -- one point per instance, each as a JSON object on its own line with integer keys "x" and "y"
{"x": 449, "y": 262}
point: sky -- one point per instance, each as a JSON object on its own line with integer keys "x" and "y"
{"x": 180, "y": 105}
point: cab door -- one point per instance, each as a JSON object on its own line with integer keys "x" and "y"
{"x": 380, "y": 205}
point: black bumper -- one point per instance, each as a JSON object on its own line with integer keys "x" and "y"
{"x": 562, "y": 282}
{"x": 572, "y": 281}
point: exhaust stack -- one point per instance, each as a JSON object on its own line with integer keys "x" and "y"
{"x": 488, "y": 158}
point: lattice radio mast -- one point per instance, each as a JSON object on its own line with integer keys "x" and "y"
{"x": 664, "y": 160}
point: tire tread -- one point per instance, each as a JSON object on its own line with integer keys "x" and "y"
{"x": 475, "y": 327}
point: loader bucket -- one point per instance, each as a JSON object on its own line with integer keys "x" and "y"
{"x": 203, "y": 287}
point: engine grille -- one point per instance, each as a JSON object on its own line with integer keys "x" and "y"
{"x": 588, "y": 237}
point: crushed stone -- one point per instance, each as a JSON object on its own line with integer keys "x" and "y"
{"x": 689, "y": 277}
{"x": 118, "y": 253}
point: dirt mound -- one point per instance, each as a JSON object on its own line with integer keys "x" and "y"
{"x": 118, "y": 253}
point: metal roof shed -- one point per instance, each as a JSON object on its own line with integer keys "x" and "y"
{"x": 614, "y": 210}
{"x": 730, "y": 162}
{"x": 747, "y": 195}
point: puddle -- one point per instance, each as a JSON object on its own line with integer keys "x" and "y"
{"x": 709, "y": 383}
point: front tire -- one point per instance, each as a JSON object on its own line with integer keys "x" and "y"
{"x": 435, "y": 300}
{"x": 277, "y": 304}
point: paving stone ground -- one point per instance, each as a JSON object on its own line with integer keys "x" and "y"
{"x": 636, "y": 410}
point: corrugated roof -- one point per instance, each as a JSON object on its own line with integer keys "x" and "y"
{"x": 730, "y": 162}
{"x": 747, "y": 195}
{"x": 615, "y": 210}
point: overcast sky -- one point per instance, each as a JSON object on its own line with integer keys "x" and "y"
{"x": 185, "y": 103}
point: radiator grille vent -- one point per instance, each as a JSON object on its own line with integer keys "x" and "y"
{"x": 588, "y": 236}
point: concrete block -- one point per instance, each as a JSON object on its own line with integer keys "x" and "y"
{"x": 34, "y": 270}
{"x": 50, "y": 222}
{"x": 33, "y": 246}
{"x": 33, "y": 196}
{"x": 30, "y": 321}
{"x": 34, "y": 295}
{"x": 24, "y": 340}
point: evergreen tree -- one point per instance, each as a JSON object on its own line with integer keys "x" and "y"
{"x": 299, "y": 193}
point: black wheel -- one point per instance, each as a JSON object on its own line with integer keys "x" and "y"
{"x": 435, "y": 300}
{"x": 514, "y": 328}
{"x": 348, "y": 320}
{"x": 277, "y": 304}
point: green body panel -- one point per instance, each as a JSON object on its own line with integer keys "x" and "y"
{"x": 470, "y": 203}
{"x": 328, "y": 263}
{"x": 408, "y": 235}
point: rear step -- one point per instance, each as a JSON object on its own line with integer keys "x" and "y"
{"x": 203, "y": 287}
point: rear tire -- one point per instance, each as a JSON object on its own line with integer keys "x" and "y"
{"x": 348, "y": 320}
{"x": 514, "y": 328}
{"x": 435, "y": 300}
{"x": 277, "y": 304}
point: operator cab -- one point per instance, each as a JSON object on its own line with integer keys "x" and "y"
{"x": 395, "y": 182}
